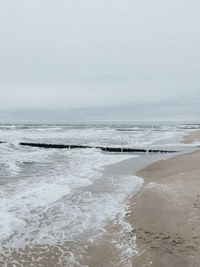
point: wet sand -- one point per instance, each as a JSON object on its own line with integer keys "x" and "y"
{"x": 192, "y": 137}
{"x": 165, "y": 214}
{"x": 113, "y": 248}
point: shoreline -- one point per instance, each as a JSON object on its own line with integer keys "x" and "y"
{"x": 165, "y": 213}
{"x": 103, "y": 252}
{"x": 110, "y": 249}
{"x": 126, "y": 240}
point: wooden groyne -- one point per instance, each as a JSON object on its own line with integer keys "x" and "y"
{"x": 106, "y": 149}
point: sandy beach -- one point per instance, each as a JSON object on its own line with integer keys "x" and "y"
{"x": 165, "y": 214}
{"x": 155, "y": 225}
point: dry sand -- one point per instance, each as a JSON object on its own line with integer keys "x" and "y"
{"x": 166, "y": 212}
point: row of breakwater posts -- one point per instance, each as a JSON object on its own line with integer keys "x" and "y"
{"x": 106, "y": 149}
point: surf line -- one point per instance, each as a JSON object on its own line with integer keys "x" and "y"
{"x": 106, "y": 149}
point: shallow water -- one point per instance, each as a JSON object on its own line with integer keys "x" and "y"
{"x": 55, "y": 203}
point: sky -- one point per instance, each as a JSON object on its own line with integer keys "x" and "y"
{"x": 76, "y": 54}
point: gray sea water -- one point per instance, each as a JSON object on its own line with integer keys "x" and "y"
{"x": 47, "y": 197}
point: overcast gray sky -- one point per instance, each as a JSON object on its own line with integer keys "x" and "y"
{"x": 59, "y": 54}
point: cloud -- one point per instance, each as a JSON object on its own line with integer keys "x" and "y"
{"x": 75, "y": 53}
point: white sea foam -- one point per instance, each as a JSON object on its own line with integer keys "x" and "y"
{"x": 26, "y": 200}
{"x": 9, "y": 223}
{"x": 132, "y": 136}
{"x": 57, "y": 196}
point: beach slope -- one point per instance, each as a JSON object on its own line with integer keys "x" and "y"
{"x": 165, "y": 214}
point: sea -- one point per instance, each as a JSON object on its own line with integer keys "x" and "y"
{"x": 56, "y": 203}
